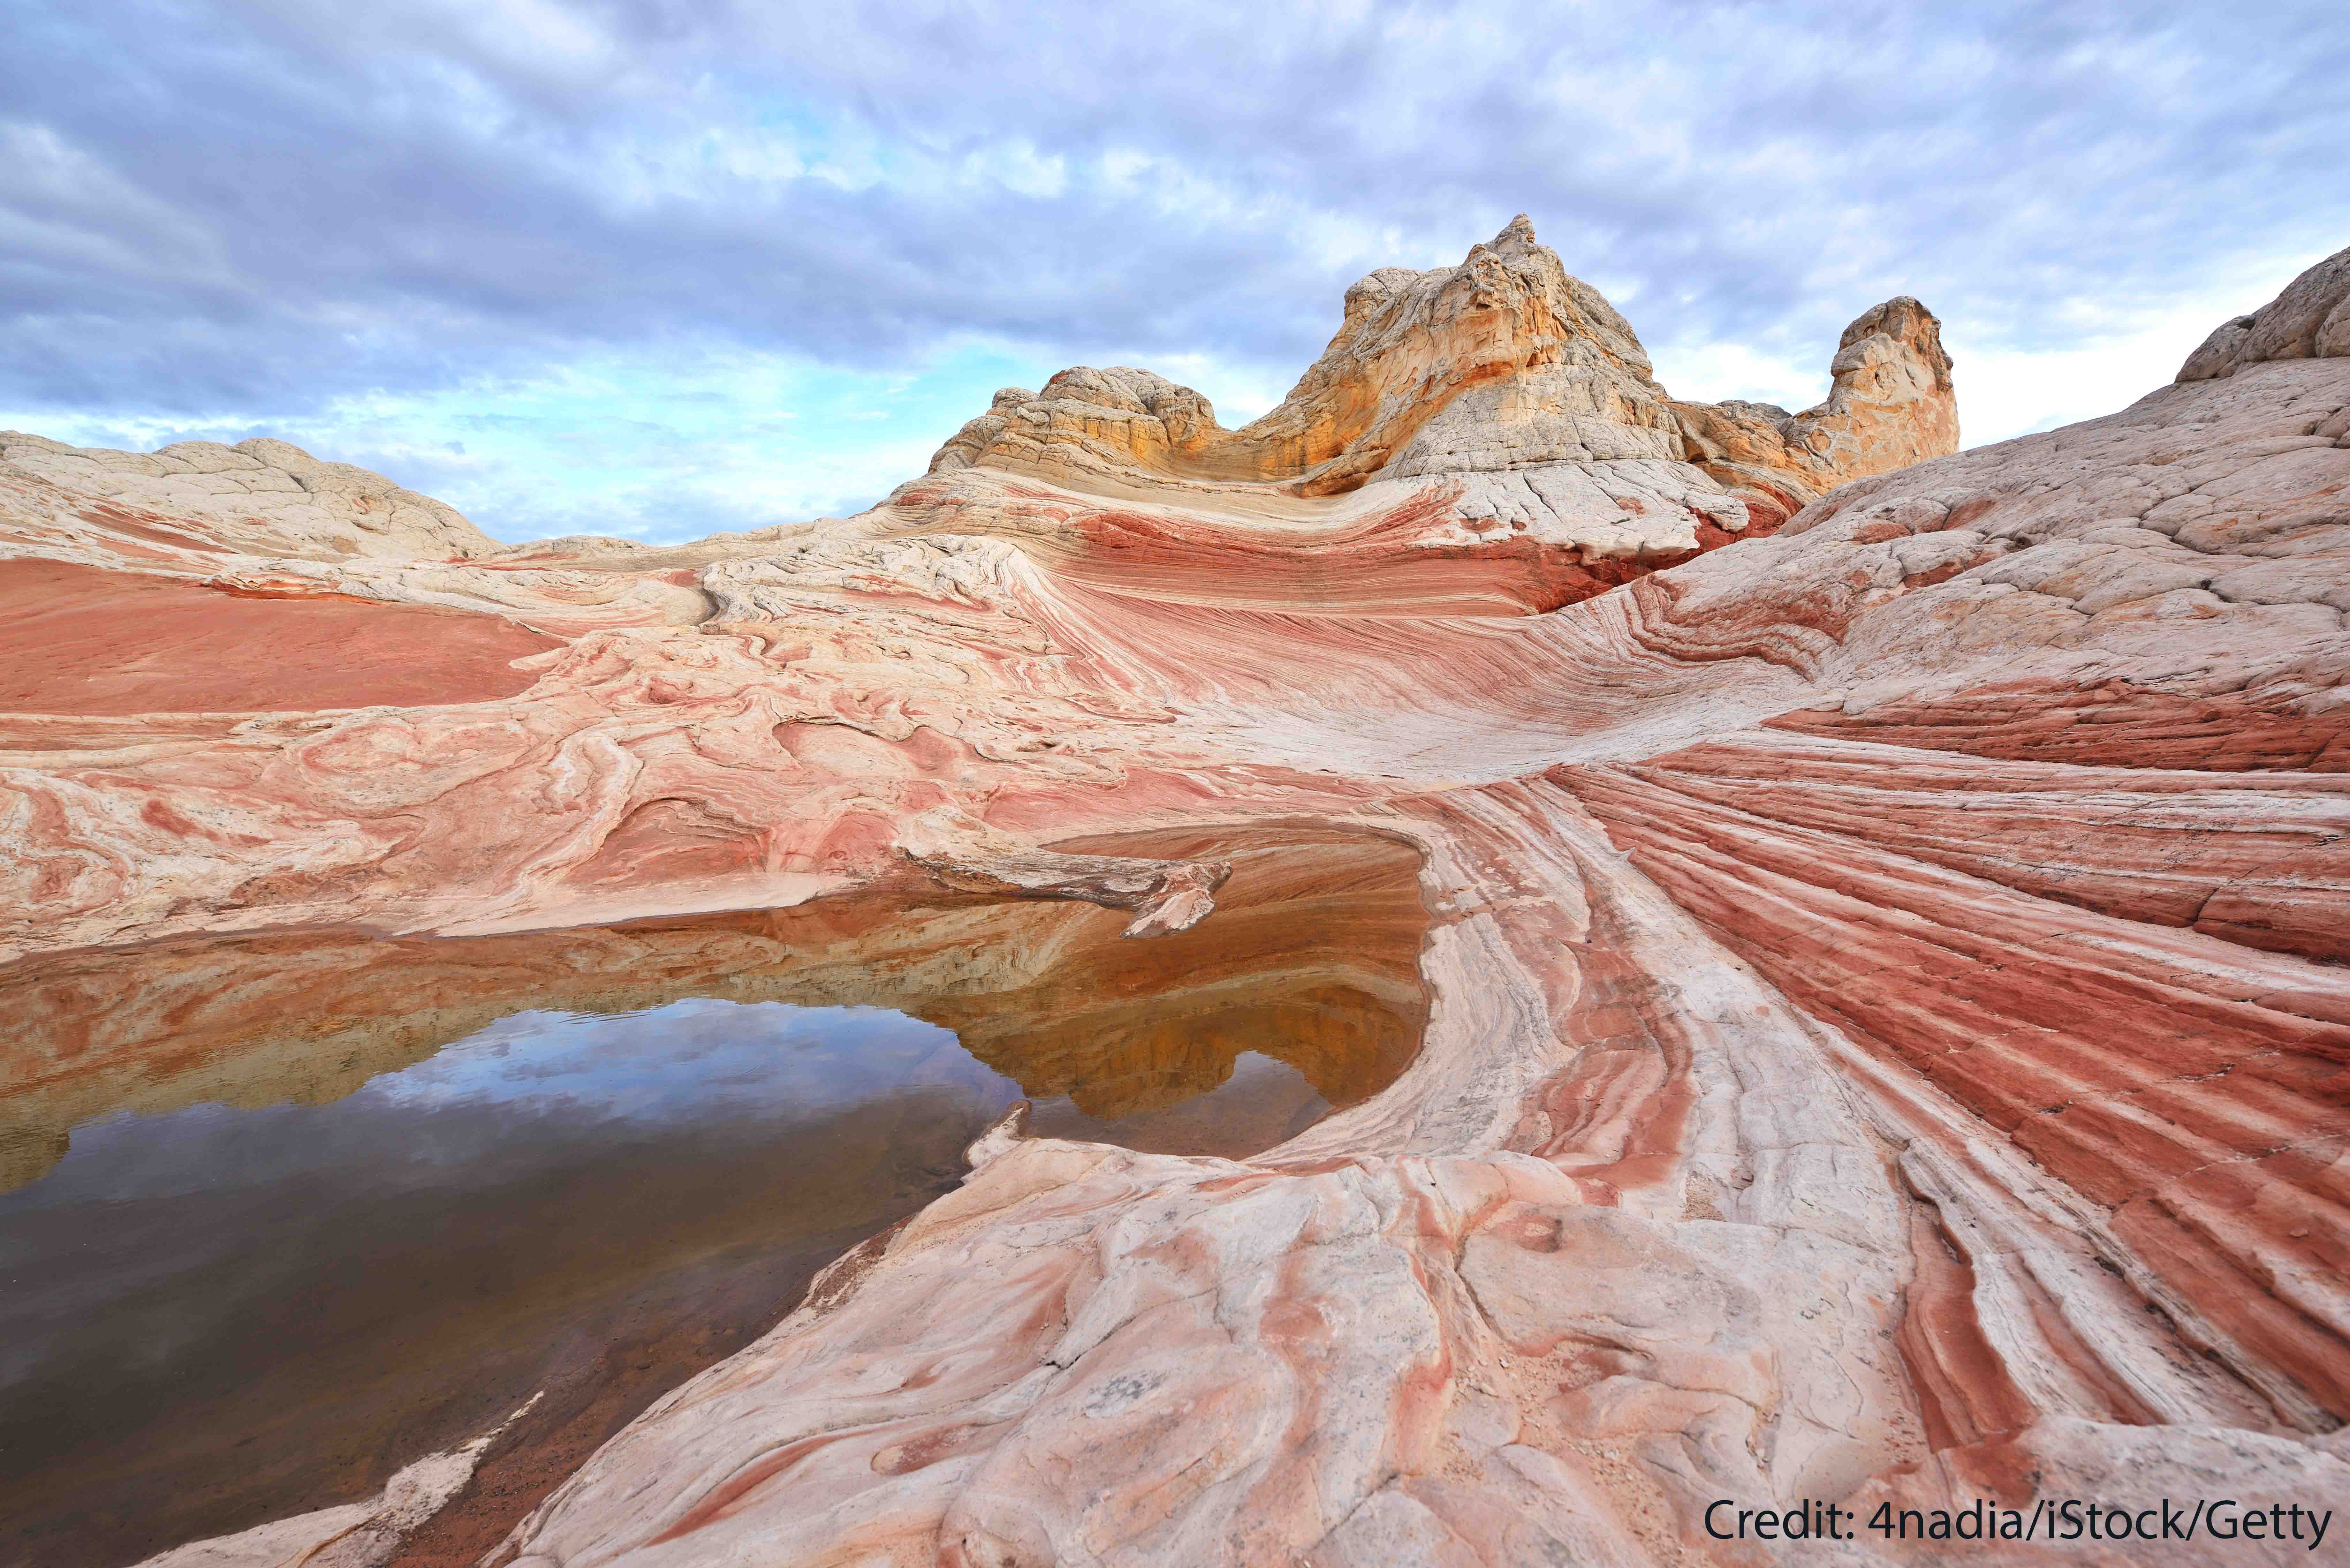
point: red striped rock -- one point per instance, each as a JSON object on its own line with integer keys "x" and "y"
{"x": 1888, "y": 1019}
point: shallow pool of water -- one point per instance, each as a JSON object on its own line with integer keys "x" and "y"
{"x": 290, "y": 1211}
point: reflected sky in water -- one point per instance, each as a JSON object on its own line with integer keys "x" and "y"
{"x": 334, "y": 1288}
{"x": 704, "y": 1060}
{"x": 478, "y": 1225}
{"x": 288, "y": 1210}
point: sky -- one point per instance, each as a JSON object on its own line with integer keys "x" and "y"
{"x": 661, "y": 267}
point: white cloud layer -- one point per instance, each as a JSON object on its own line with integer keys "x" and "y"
{"x": 658, "y": 266}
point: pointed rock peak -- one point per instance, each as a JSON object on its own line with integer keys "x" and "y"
{"x": 1517, "y": 237}
{"x": 1890, "y": 403}
{"x": 1505, "y": 361}
{"x": 1907, "y": 327}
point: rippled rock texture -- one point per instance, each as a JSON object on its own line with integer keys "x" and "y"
{"x": 1888, "y": 1018}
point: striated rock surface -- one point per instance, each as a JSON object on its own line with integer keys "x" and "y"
{"x": 1887, "y": 1005}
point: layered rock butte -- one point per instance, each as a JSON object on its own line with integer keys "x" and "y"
{"x": 1889, "y": 906}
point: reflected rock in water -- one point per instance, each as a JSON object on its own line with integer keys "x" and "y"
{"x": 292, "y": 1211}
{"x": 1311, "y": 959}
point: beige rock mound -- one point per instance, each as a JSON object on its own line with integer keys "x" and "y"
{"x": 259, "y": 497}
{"x": 2309, "y": 320}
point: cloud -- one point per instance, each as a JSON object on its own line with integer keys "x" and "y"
{"x": 367, "y": 224}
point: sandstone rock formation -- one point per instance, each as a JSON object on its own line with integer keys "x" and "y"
{"x": 1888, "y": 1012}
{"x": 1891, "y": 404}
{"x": 263, "y": 496}
{"x": 2309, "y": 320}
{"x": 1521, "y": 383}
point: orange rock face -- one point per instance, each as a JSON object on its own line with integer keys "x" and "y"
{"x": 1503, "y": 365}
{"x": 1887, "y": 1017}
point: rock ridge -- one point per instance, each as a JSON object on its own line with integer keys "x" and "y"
{"x": 1503, "y": 363}
{"x": 2309, "y": 320}
{"x": 260, "y": 497}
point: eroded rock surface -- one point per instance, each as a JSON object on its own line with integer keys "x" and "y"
{"x": 1888, "y": 1015}
{"x": 1522, "y": 385}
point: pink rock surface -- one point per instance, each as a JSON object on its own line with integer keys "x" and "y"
{"x": 1889, "y": 1014}
{"x": 80, "y": 639}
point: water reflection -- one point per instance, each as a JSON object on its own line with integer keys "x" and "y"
{"x": 295, "y": 1209}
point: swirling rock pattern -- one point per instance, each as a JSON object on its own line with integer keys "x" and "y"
{"x": 1887, "y": 1016}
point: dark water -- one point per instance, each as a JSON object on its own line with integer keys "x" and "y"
{"x": 295, "y": 1210}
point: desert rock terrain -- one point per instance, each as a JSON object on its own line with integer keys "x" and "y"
{"x": 1888, "y": 1020}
